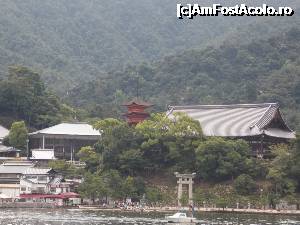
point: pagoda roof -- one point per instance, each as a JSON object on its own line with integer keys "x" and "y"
{"x": 238, "y": 120}
{"x": 137, "y": 101}
{"x": 136, "y": 113}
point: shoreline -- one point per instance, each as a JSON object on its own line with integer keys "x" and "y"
{"x": 175, "y": 209}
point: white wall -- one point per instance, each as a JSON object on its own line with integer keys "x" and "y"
{"x": 30, "y": 187}
{"x": 11, "y": 192}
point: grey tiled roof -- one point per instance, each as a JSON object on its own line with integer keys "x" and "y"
{"x": 37, "y": 171}
{"x": 3, "y": 132}
{"x": 4, "y": 148}
{"x": 237, "y": 120}
{"x": 15, "y": 167}
{"x": 72, "y": 129}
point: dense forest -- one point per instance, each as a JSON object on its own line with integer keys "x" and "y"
{"x": 260, "y": 71}
{"x": 23, "y": 96}
{"x": 240, "y": 61}
{"x": 69, "y": 42}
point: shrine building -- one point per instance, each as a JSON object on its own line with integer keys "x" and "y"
{"x": 136, "y": 111}
{"x": 261, "y": 125}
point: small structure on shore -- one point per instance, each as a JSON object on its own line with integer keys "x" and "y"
{"x": 55, "y": 200}
{"x": 185, "y": 179}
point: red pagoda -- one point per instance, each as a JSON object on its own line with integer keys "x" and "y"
{"x": 136, "y": 111}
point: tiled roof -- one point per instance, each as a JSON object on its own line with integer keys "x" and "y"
{"x": 236, "y": 120}
{"x": 72, "y": 129}
{"x": 37, "y": 171}
{"x": 3, "y": 132}
{"x": 15, "y": 167}
{"x": 137, "y": 101}
{"x": 6, "y": 149}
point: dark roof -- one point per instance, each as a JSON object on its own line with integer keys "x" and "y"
{"x": 6, "y": 149}
{"x": 238, "y": 120}
{"x": 136, "y": 113}
{"x": 38, "y": 171}
{"x": 137, "y": 102}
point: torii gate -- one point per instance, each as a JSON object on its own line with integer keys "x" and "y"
{"x": 186, "y": 179}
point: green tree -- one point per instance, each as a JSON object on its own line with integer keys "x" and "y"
{"x": 18, "y": 135}
{"x": 131, "y": 161}
{"x": 153, "y": 195}
{"x": 23, "y": 95}
{"x": 129, "y": 188}
{"x": 184, "y": 200}
{"x": 219, "y": 159}
{"x": 294, "y": 172}
{"x": 114, "y": 183}
{"x": 68, "y": 170}
{"x": 170, "y": 142}
{"x": 93, "y": 187}
{"x": 280, "y": 170}
{"x": 244, "y": 184}
{"x": 90, "y": 158}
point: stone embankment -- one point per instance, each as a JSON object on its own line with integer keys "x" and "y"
{"x": 174, "y": 209}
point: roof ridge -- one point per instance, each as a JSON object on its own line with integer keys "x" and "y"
{"x": 254, "y": 105}
{"x": 262, "y": 118}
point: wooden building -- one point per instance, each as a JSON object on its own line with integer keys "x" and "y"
{"x": 261, "y": 125}
{"x": 62, "y": 141}
{"x": 10, "y": 175}
{"x": 136, "y": 111}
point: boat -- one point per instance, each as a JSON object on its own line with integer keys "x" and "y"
{"x": 180, "y": 217}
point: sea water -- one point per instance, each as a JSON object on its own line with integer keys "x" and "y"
{"x": 83, "y": 217}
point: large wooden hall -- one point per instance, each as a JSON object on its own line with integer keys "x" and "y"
{"x": 261, "y": 125}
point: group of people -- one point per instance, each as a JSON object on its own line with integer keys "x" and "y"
{"x": 127, "y": 205}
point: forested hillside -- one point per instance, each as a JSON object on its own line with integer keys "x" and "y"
{"x": 261, "y": 71}
{"x": 69, "y": 42}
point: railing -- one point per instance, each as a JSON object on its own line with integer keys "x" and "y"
{"x": 77, "y": 163}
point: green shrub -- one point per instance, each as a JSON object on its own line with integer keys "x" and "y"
{"x": 244, "y": 184}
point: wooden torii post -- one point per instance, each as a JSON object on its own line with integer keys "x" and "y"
{"x": 185, "y": 179}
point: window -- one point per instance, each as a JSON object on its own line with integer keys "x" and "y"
{"x": 42, "y": 178}
{"x": 40, "y": 190}
{"x": 23, "y": 188}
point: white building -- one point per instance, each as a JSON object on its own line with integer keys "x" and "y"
{"x": 3, "y": 133}
{"x": 37, "y": 180}
{"x": 45, "y": 185}
{"x": 62, "y": 141}
{"x": 42, "y": 181}
{"x": 10, "y": 174}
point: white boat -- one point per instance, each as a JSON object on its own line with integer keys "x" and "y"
{"x": 180, "y": 217}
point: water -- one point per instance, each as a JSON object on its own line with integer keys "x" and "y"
{"x": 76, "y": 217}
